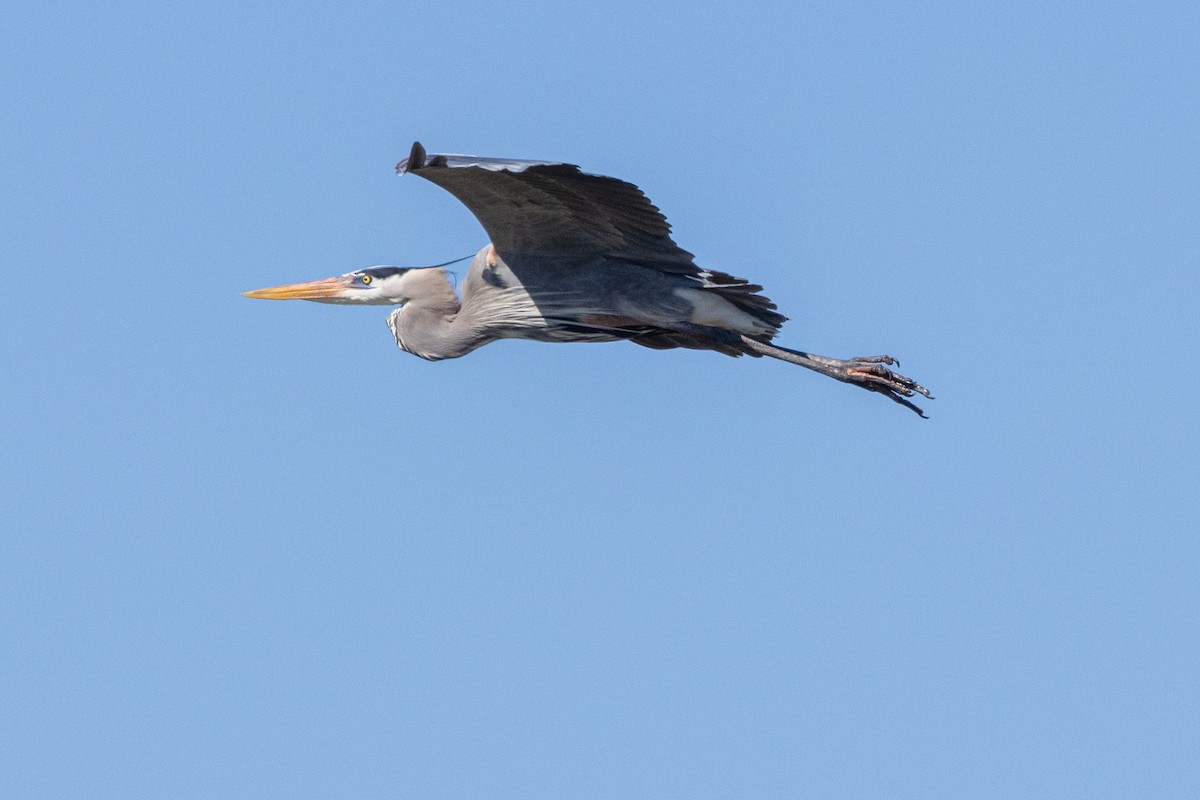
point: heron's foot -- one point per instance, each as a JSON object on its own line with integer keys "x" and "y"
{"x": 869, "y": 372}
{"x": 872, "y": 373}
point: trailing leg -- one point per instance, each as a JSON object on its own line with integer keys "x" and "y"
{"x": 869, "y": 372}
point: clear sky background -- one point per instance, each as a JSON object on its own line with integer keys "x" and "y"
{"x": 252, "y": 550}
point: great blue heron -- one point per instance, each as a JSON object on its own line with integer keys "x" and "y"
{"x": 574, "y": 257}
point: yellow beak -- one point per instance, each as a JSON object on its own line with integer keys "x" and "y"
{"x": 311, "y": 290}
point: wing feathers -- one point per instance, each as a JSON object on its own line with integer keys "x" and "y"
{"x": 551, "y": 210}
{"x": 543, "y": 208}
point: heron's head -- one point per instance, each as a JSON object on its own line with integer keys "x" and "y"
{"x": 374, "y": 286}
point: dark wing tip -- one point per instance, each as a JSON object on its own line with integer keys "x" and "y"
{"x": 415, "y": 160}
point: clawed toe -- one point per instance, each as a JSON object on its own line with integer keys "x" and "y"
{"x": 877, "y": 360}
{"x": 870, "y": 373}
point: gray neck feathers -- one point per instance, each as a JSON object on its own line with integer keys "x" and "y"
{"x": 428, "y": 324}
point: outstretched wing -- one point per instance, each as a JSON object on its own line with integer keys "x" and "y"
{"x": 543, "y": 211}
{"x": 547, "y": 209}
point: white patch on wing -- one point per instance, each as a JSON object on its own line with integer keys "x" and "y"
{"x": 715, "y": 311}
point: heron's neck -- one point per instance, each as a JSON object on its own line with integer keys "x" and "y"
{"x": 429, "y": 325}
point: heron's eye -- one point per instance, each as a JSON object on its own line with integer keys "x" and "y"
{"x": 366, "y": 279}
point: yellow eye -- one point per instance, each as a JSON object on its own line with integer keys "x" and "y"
{"x": 366, "y": 279}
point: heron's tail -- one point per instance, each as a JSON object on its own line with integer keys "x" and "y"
{"x": 746, "y": 296}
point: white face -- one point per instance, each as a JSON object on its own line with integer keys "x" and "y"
{"x": 376, "y": 286}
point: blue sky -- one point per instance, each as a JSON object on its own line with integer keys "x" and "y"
{"x": 252, "y": 550}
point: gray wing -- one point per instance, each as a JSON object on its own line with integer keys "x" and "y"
{"x": 547, "y": 209}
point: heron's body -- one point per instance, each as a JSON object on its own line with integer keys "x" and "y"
{"x": 574, "y": 257}
{"x": 608, "y": 300}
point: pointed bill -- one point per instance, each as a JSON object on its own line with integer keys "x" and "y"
{"x": 324, "y": 289}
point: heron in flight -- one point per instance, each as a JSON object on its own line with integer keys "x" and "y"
{"x": 574, "y": 257}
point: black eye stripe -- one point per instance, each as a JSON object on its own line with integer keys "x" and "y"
{"x": 378, "y": 273}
